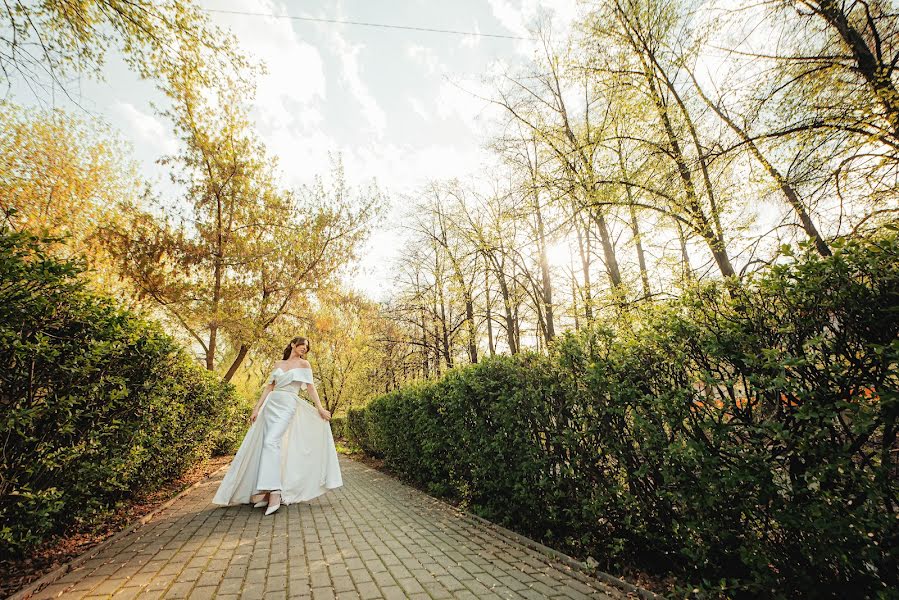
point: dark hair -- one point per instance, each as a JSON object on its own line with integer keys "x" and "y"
{"x": 294, "y": 342}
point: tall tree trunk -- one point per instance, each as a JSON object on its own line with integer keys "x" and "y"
{"x": 638, "y": 242}
{"x": 608, "y": 248}
{"x": 698, "y": 219}
{"x": 213, "y": 325}
{"x": 510, "y": 319}
{"x": 235, "y": 364}
{"x": 538, "y": 308}
{"x": 583, "y": 242}
{"x": 697, "y": 146}
{"x": 441, "y": 339}
{"x": 697, "y": 216}
{"x": 210, "y": 348}
{"x": 490, "y": 345}
{"x": 507, "y": 305}
{"x": 472, "y": 333}
{"x": 875, "y": 73}
{"x": 459, "y": 276}
{"x": 218, "y": 273}
{"x": 425, "y": 362}
{"x": 444, "y": 332}
{"x": 687, "y": 272}
{"x": 547, "y": 292}
{"x": 437, "y": 370}
{"x": 516, "y": 322}
{"x": 577, "y": 321}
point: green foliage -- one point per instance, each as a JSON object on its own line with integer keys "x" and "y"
{"x": 45, "y": 43}
{"x": 355, "y": 430}
{"x": 97, "y": 403}
{"x": 338, "y": 427}
{"x": 742, "y": 437}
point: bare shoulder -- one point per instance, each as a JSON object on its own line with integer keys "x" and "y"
{"x": 305, "y": 363}
{"x": 278, "y": 364}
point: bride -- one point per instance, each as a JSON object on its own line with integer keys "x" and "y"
{"x": 288, "y": 454}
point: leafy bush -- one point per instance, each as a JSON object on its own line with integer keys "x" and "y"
{"x": 355, "y": 428}
{"x": 97, "y": 403}
{"x": 742, "y": 437}
{"x": 338, "y": 427}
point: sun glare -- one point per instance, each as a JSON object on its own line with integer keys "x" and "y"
{"x": 559, "y": 253}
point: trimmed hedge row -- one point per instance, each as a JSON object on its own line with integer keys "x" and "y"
{"x": 97, "y": 403}
{"x": 338, "y": 427}
{"x": 743, "y": 437}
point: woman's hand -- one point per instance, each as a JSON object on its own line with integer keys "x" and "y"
{"x": 254, "y": 415}
{"x": 324, "y": 414}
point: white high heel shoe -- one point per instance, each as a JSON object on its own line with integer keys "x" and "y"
{"x": 272, "y": 508}
{"x": 261, "y": 503}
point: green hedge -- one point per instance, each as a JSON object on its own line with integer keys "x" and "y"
{"x": 742, "y": 437}
{"x": 97, "y": 403}
{"x": 338, "y": 427}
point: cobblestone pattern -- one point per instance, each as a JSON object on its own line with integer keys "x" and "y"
{"x": 373, "y": 538}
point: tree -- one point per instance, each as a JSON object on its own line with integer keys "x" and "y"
{"x": 44, "y": 42}
{"x": 346, "y": 353}
{"x": 438, "y": 225}
{"x": 62, "y": 176}
{"x": 789, "y": 191}
{"x": 862, "y": 42}
{"x": 538, "y": 103}
{"x": 818, "y": 107}
{"x": 246, "y": 251}
{"x": 626, "y": 42}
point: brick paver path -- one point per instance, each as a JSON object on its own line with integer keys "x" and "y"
{"x": 373, "y": 538}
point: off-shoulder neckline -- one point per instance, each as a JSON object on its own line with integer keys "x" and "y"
{"x": 293, "y": 369}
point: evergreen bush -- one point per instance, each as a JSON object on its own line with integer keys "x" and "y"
{"x": 98, "y": 404}
{"x": 742, "y": 437}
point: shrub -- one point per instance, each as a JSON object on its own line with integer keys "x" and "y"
{"x": 98, "y": 404}
{"x": 338, "y": 427}
{"x": 355, "y": 429}
{"x": 742, "y": 437}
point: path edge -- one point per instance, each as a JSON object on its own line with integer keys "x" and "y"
{"x": 580, "y": 567}
{"x": 60, "y": 571}
{"x": 561, "y": 557}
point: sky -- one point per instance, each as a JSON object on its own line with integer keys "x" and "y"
{"x": 400, "y": 107}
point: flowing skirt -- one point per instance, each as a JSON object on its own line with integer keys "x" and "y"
{"x": 289, "y": 447}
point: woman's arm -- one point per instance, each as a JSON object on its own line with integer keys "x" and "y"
{"x": 313, "y": 393}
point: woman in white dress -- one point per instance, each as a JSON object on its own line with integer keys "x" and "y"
{"x": 288, "y": 454}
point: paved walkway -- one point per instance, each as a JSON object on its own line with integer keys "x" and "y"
{"x": 373, "y": 538}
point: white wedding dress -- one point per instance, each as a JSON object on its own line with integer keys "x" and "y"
{"x": 289, "y": 447}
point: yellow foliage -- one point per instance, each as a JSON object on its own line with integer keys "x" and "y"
{"x": 59, "y": 175}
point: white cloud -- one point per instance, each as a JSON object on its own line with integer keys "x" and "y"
{"x": 300, "y": 129}
{"x": 472, "y": 41}
{"x": 348, "y": 54}
{"x": 301, "y": 156}
{"x": 465, "y": 101}
{"x": 424, "y": 56}
{"x": 413, "y": 166}
{"x": 518, "y": 15}
{"x": 146, "y": 128}
{"x": 290, "y": 96}
{"x": 419, "y": 108}
{"x": 509, "y": 15}
{"x": 295, "y": 78}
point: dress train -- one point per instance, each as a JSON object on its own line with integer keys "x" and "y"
{"x": 308, "y": 457}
